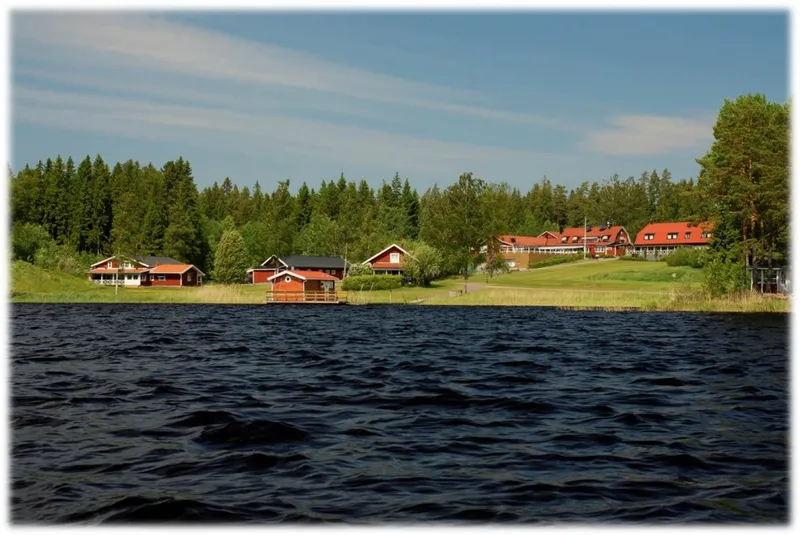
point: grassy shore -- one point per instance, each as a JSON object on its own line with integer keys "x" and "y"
{"x": 607, "y": 285}
{"x": 675, "y": 301}
{"x": 31, "y": 284}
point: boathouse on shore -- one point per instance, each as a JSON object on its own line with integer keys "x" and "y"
{"x": 300, "y": 285}
{"x": 330, "y": 265}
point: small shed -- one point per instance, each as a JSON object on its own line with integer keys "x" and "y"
{"x": 303, "y": 281}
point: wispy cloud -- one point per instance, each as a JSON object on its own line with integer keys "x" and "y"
{"x": 211, "y": 126}
{"x": 150, "y": 43}
{"x": 644, "y": 135}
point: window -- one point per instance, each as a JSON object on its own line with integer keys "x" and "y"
{"x": 394, "y": 258}
{"x": 189, "y": 277}
{"x": 649, "y": 236}
{"x": 672, "y": 236}
{"x": 144, "y": 277}
{"x": 706, "y": 235}
{"x": 127, "y": 265}
{"x": 574, "y": 239}
{"x": 687, "y": 235}
{"x": 287, "y": 278}
{"x": 605, "y": 237}
{"x": 564, "y": 239}
{"x": 622, "y": 239}
{"x": 162, "y": 277}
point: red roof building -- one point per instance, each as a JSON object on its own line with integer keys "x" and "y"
{"x": 663, "y": 238}
{"x": 388, "y": 262}
{"x": 145, "y": 271}
{"x": 599, "y": 240}
{"x": 302, "y": 285}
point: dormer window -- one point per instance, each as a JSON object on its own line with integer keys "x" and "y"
{"x": 513, "y": 240}
{"x": 564, "y": 239}
{"x": 687, "y": 235}
{"x": 605, "y": 237}
{"x": 672, "y": 236}
{"x": 574, "y": 239}
{"x": 649, "y": 236}
{"x": 706, "y": 234}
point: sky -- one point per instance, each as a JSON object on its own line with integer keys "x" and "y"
{"x": 511, "y": 97}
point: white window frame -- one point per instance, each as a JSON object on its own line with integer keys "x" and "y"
{"x": 287, "y": 279}
{"x": 127, "y": 265}
{"x": 394, "y": 258}
{"x": 162, "y": 277}
{"x": 189, "y": 277}
{"x": 649, "y": 237}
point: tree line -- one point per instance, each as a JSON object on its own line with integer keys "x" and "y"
{"x": 94, "y": 209}
{"x": 97, "y": 209}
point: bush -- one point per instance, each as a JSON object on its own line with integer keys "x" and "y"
{"x": 27, "y": 239}
{"x": 633, "y": 257}
{"x": 422, "y": 264}
{"x": 372, "y": 282}
{"x": 554, "y": 261}
{"x": 686, "y": 256}
{"x": 63, "y": 258}
{"x": 723, "y": 278}
{"x": 358, "y": 270}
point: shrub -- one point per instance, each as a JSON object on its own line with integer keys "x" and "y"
{"x": 633, "y": 257}
{"x": 27, "y": 239}
{"x": 358, "y": 270}
{"x": 423, "y": 264}
{"x": 372, "y": 282}
{"x": 554, "y": 261}
{"x": 230, "y": 261}
{"x": 686, "y": 256}
{"x": 723, "y": 278}
{"x": 63, "y": 258}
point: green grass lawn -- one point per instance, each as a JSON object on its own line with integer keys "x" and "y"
{"x": 407, "y": 294}
{"x": 603, "y": 275}
{"x": 32, "y": 284}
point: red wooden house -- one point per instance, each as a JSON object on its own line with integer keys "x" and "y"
{"x": 600, "y": 240}
{"x": 145, "y": 271}
{"x": 389, "y": 261}
{"x": 273, "y": 265}
{"x": 300, "y": 285}
{"x": 663, "y": 238}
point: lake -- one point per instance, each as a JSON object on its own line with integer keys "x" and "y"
{"x": 381, "y": 414}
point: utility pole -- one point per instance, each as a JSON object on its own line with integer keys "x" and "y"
{"x": 584, "y": 237}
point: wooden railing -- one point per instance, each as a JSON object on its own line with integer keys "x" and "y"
{"x": 306, "y": 297}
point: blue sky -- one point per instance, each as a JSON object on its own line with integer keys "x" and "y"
{"x": 268, "y": 96}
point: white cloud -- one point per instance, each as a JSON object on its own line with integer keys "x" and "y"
{"x": 212, "y": 127}
{"x": 646, "y": 135}
{"x": 134, "y": 41}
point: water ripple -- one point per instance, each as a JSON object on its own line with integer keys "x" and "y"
{"x": 396, "y": 414}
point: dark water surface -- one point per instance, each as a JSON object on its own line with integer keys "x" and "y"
{"x": 396, "y": 414}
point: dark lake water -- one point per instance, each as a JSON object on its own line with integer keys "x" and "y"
{"x": 379, "y": 414}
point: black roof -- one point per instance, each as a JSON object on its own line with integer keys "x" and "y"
{"x": 153, "y": 260}
{"x": 320, "y": 262}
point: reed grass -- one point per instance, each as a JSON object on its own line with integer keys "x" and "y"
{"x": 674, "y": 301}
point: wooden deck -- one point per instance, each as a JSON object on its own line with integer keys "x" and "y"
{"x": 315, "y": 297}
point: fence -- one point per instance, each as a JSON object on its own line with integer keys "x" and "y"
{"x": 306, "y": 297}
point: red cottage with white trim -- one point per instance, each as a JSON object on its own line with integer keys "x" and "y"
{"x": 389, "y": 261}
